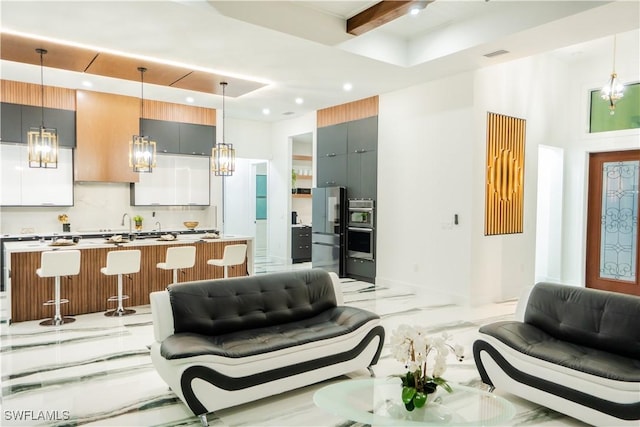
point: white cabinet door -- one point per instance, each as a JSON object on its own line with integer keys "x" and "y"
{"x": 192, "y": 176}
{"x": 176, "y": 181}
{"x": 10, "y": 175}
{"x": 25, "y": 186}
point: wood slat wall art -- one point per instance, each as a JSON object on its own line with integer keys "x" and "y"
{"x": 355, "y": 110}
{"x": 88, "y": 291}
{"x": 504, "y": 197}
{"x": 179, "y": 113}
{"x": 30, "y": 94}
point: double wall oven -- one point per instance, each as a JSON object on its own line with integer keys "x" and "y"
{"x": 360, "y": 229}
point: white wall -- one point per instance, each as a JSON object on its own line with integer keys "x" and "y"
{"x": 424, "y": 173}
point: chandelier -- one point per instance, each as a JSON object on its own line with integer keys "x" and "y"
{"x": 612, "y": 91}
{"x": 142, "y": 150}
{"x": 42, "y": 145}
{"x": 223, "y": 155}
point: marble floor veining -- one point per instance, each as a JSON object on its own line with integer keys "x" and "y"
{"x": 97, "y": 371}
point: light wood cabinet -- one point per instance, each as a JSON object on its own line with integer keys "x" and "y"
{"x": 105, "y": 124}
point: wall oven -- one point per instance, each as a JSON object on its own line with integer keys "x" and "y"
{"x": 360, "y": 229}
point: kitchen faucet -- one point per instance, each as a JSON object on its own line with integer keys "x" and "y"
{"x": 158, "y": 225}
{"x": 130, "y": 225}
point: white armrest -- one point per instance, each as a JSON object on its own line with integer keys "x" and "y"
{"x": 162, "y": 315}
{"x": 337, "y": 288}
{"x": 521, "y": 306}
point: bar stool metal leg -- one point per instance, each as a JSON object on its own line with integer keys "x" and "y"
{"x": 57, "y": 317}
{"x": 120, "y": 310}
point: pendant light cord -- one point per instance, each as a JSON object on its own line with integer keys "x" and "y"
{"x": 224, "y": 124}
{"x": 614, "y": 54}
{"x": 41, "y": 52}
{"x": 142, "y": 71}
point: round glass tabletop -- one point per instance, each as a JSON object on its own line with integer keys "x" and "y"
{"x": 377, "y": 401}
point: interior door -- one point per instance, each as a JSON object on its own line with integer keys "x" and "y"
{"x": 612, "y": 221}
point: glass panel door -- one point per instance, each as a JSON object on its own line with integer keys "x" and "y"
{"x": 612, "y": 221}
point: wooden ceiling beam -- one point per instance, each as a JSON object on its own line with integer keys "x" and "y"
{"x": 381, "y": 13}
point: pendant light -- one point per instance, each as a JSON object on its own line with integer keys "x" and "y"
{"x": 612, "y": 92}
{"x": 223, "y": 155}
{"x": 42, "y": 141}
{"x": 142, "y": 150}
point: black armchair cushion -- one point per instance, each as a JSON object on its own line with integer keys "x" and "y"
{"x": 217, "y": 307}
{"x": 534, "y": 342}
{"x": 601, "y": 320}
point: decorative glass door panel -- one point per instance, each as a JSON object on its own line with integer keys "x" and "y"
{"x": 619, "y": 230}
{"x": 612, "y": 221}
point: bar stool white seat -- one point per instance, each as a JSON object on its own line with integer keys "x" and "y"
{"x": 232, "y": 255}
{"x": 57, "y": 263}
{"x": 121, "y": 262}
{"x": 178, "y": 258}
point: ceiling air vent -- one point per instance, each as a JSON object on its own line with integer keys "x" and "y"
{"x": 496, "y": 53}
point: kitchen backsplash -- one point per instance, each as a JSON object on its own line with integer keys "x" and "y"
{"x": 100, "y": 206}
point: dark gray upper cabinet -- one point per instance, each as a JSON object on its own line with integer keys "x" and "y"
{"x": 332, "y": 140}
{"x": 166, "y": 134}
{"x": 363, "y": 135}
{"x": 197, "y": 139}
{"x": 64, "y": 121}
{"x": 362, "y": 174}
{"x": 180, "y": 138}
{"x": 11, "y": 122}
{"x": 332, "y": 171}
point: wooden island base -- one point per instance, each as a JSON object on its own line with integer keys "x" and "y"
{"x": 88, "y": 291}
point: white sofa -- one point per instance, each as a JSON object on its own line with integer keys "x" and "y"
{"x": 572, "y": 349}
{"x": 221, "y": 343}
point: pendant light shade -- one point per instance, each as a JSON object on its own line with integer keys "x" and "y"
{"x": 42, "y": 141}
{"x": 223, "y": 155}
{"x": 613, "y": 90}
{"x": 142, "y": 150}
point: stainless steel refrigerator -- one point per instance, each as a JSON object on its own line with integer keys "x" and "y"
{"x": 328, "y": 229}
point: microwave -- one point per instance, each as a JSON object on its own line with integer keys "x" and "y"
{"x": 360, "y": 213}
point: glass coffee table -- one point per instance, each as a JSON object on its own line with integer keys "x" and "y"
{"x": 376, "y": 401}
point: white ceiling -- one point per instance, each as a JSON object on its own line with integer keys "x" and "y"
{"x": 301, "y": 48}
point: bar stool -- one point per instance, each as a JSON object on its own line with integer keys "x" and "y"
{"x": 57, "y": 264}
{"x": 178, "y": 257}
{"x": 232, "y": 255}
{"x": 121, "y": 262}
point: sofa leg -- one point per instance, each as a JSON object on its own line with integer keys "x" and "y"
{"x": 203, "y": 420}
{"x": 371, "y": 373}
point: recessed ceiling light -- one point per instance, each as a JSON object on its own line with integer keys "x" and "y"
{"x": 414, "y": 11}
{"x": 87, "y": 83}
{"x": 347, "y": 86}
{"x": 266, "y": 111}
{"x": 190, "y": 99}
{"x": 299, "y": 101}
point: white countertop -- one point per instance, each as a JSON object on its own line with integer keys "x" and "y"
{"x": 36, "y": 246}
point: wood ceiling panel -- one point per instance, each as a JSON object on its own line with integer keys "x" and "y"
{"x": 210, "y": 83}
{"x": 18, "y": 48}
{"x": 21, "y": 49}
{"x": 122, "y": 67}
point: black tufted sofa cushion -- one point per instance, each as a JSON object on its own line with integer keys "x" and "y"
{"x": 217, "y": 307}
{"x": 328, "y": 324}
{"x": 597, "y": 319}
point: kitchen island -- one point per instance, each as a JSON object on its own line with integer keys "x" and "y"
{"x": 88, "y": 291}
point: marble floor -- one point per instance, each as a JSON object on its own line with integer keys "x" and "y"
{"x": 97, "y": 370}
